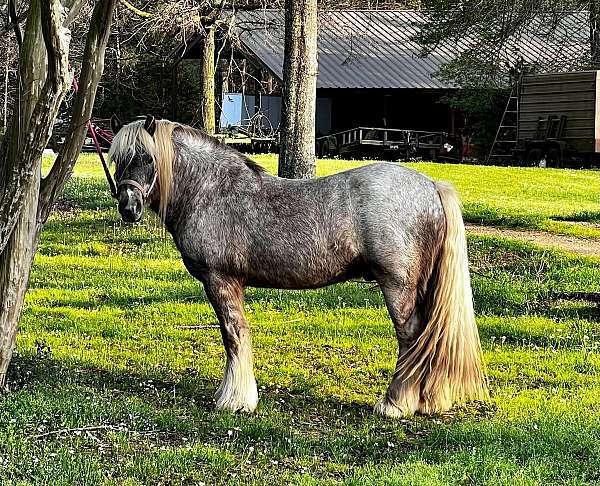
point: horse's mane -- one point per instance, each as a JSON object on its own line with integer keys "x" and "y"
{"x": 200, "y": 136}
{"x": 133, "y": 137}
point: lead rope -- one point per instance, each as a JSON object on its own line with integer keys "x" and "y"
{"x": 111, "y": 183}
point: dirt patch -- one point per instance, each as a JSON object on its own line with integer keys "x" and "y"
{"x": 583, "y": 224}
{"x": 570, "y": 244}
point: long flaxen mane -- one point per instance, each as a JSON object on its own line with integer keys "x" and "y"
{"x": 133, "y": 138}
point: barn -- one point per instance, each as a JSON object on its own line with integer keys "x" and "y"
{"x": 371, "y": 71}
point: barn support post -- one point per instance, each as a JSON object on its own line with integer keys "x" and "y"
{"x": 595, "y": 33}
{"x": 223, "y": 89}
{"x": 207, "y": 103}
{"x": 258, "y": 90}
{"x": 174, "y": 92}
{"x": 218, "y": 95}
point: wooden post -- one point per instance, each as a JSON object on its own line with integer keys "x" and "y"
{"x": 595, "y": 33}
{"x": 207, "y": 104}
{"x": 268, "y": 79}
{"x": 298, "y": 107}
{"x": 258, "y": 90}
{"x": 175, "y": 92}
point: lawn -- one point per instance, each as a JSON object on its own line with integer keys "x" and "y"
{"x": 106, "y": 345}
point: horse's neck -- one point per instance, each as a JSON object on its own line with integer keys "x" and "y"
{"x": 201, "y": 178}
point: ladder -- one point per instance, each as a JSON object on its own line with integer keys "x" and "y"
{"x": 507, "y": 134}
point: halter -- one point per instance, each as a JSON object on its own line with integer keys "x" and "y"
{"x": 137, "y": 185}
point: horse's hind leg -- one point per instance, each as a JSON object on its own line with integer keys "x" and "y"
{"x": 237, "y": 391}
{"x": 403, "y": 395}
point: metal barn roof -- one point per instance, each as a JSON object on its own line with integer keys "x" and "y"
{"x": 376, "y": 48}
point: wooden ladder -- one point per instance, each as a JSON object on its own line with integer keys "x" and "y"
{"x": 507, "y": 134}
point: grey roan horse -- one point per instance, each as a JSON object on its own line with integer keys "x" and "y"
{"x": 237, "y": 226}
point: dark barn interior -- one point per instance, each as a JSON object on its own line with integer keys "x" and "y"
{"x": 410, "y": 109}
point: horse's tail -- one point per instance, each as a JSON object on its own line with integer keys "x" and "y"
{"x": 446, "y": 357}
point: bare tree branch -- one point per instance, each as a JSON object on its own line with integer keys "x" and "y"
{"x": 15, "y": 21}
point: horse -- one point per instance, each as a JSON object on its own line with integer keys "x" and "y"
{"x": 235, "y": 226}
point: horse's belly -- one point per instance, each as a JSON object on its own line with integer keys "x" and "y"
{"x": 301, "y": 280}
{"x": 306, "y": 271}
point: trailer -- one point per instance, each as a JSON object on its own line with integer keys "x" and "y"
{"x": 551, "y": 120}
{"x": 389, "y": 143}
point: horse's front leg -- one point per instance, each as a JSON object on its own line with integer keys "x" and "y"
{"x": 237, "y": 391}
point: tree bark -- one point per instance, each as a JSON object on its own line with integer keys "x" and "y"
{"x": 15, "y": 267}
{"x": 15, "y": 258}
{"x": 595, "y": 33}
{"x": 31, "y": 124}
{"x": 207, "y": 105}
{"x": 298, "y": 108}
{"x": 6, "y": 75}
{"x": 21, "y": 153}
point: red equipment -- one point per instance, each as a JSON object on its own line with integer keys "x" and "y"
{"x": 97, "y": 133}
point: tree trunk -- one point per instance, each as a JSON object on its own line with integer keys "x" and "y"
{"x": 15, "y": 267}
{"x": 34, "y": 115}
{"x": 17, "y": 257}
{"x": 42, "y": 76}
{"x": 595, "y": 33}
{"x": 298, "y": 108}
{"x": 6, "y": 75}
{"x": 207, "y": 106}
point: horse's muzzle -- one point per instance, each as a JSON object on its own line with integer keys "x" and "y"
{"x": 130, "y": 207}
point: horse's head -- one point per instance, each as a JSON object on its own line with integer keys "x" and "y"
{"x": 136, "y": 172}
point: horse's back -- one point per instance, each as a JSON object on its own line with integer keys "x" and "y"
{"x": 379, "y": 216}
{"x": 399, "y": 218}
{"x": 389, "y": 194}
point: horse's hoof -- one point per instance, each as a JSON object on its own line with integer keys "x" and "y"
{"x": 236, "y": 407}
{"x": 387, "y": 409}
{"x": 236, "y": 404}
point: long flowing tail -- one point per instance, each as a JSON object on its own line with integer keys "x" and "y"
{"x": 446, "y": 358}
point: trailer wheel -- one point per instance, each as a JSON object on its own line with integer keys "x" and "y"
{"x": 328, "y": 149}
{"x": 534, "y": 156}
{"x": 554, "y": 158}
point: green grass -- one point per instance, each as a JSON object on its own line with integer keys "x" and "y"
{"x": 552, "y": 200}
{"x": 104, "y": 342}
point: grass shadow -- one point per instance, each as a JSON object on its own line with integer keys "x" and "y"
{"x": 291, "y": 426}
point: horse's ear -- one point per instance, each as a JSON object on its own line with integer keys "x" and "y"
{"x": 115, "y": 124}
{"x": 150, "y": 124}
